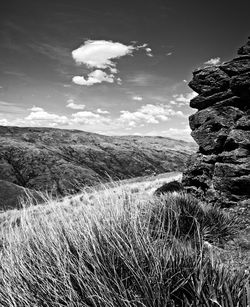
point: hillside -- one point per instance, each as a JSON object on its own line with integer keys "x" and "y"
{"x": 63, "y": 161}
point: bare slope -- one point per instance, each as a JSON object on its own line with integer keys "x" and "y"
{"x": 63, "y": 161}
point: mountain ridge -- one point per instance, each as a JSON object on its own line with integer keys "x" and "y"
{"x": 63, "y": 161}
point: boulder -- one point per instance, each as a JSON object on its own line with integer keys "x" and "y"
{"x": 209, "y": 80}
{"x": 211, "y": 126}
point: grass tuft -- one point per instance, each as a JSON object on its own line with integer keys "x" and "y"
{"x": 117, "y": 248}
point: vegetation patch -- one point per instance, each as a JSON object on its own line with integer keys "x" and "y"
{"x": 117, "y": 248}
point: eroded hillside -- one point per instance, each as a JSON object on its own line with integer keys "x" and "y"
{"x": 63, "y": 161}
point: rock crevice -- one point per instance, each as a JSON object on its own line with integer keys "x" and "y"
{"x": 220, "y": 170}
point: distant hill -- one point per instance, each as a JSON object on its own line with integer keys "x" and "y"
{"x": 63, "y": 161}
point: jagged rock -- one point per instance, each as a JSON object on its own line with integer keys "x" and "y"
{"x": 211, "y": 126}
{"x": 243, "y": 123}
{"x": 201, "y": 101}
{"x": 238, "y": 138}
{"x": 236, "y": 156}
{"x": 233, "y": 188}
{"x": 236, "y": 66}
{"x": 240, "y": 86}
{"x": 221, "y": 127}
{"x": 200, "y": 171}
{"x": 209, "y": 80}
{"x": 245, "y": 50}
{"x": 231, "y": 170}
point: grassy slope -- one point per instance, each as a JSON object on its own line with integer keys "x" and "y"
{"x": 116, "y": 246}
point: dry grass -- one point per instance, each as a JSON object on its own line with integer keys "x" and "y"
{"x": 117, "y": 247}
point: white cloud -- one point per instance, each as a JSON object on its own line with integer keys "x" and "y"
{"x": 100, "y": 111}
{"x": 137, "y": 134}
{"x": 138, "y": 98}
{"x": 169, "y": 53}
{"x": 178, "y": 133}
{"x": 72, "y": 105}
{"x": 40, "y": 117}
{"x": 89, "y": 118}
{"x": 36, "y": 109}
{"x": 149, "y": 52}
{"x": 185, "y": 98}
{"x": 100, "y": 55}
{"x": 4, "y": 122}
{"x": 96, "y": 76}
{"x": 119, "y": 81}
{"x": 213, "y": 61}
{"x": 113, "y": 70}
{"x": 150, "y": 114}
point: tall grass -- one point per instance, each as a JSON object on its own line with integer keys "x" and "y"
{"x": 116, "y": 248}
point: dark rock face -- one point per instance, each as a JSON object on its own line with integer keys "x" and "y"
{"x": 64, "y": 161}
{"x": 220, "y": 171}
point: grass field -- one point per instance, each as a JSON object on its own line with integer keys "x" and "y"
{"x": 119, "y": 245}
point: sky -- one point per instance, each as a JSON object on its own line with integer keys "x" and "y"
{"x": 111, "y": 67}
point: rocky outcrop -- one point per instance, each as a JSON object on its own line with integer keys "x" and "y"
{"x": 220, "y": 170}
{"x": 64, "y": 161}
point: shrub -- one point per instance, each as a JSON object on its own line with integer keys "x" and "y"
{"x": 172, "y": 186}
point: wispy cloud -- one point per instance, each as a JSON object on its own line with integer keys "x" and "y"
{"x": 178, "y": 133}
{"x": 148, "y": 114}
{"x": 184, "y": 99}
{"x": 138, "y": 98}
{"x": 10, "y": 108}
{"x": 145, "y": 79}
{"x": 100, "y": 111}
{"x": 89, "y": 118}
{"x": 213, "y": 61}
{"x": 72, "y": 105}
{"x": 53, "y": 52}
